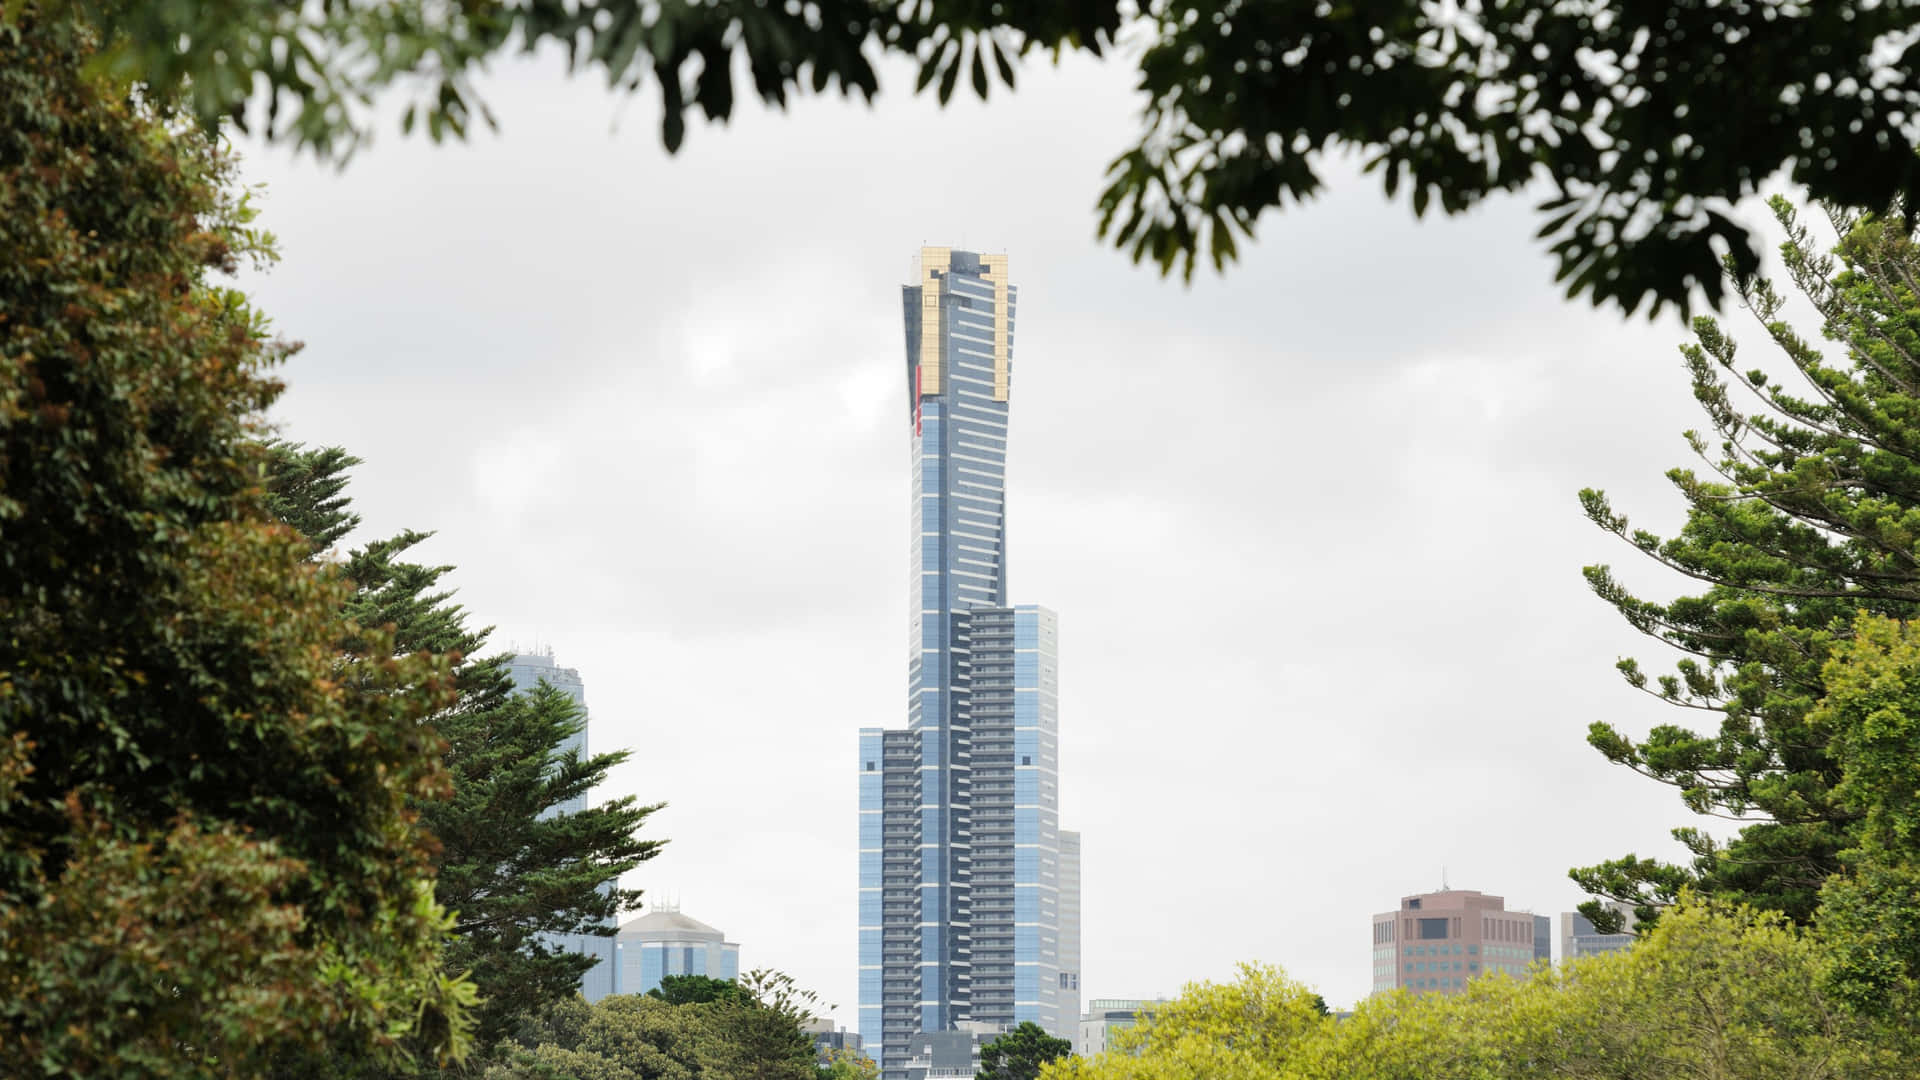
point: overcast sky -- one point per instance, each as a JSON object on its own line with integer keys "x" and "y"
{"x": 1311, "y": 528}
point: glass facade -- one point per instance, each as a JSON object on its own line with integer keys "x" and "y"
{"x": 960, "y": 842}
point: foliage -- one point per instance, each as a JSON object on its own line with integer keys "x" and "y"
{"x": 304, "y": 490}
{"x": 620, "y": 1037}
{"x": 514, "y": 869}
{"x": 1870, "y": 913}
{"x": 1712, "y": 992}
{"x": 207, "y": 859}
{"x": 1229, "y": 1031}
{"x": 695, "y": 989}
{"x": 1811, "y": 515}
{"x": 759, "y": 1035}
{"x": 1630, "y": 115}
{"x": 848, "y": 1065}
{"x": 751, "y": 1035}
{"x": 1642, "y": 122}
{"x": 1018, "y": 1054}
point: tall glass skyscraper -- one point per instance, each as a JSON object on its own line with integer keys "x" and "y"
{"x": 962, "y": 924}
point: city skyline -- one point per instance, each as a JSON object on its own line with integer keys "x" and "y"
{"x": 1315, "y": 518}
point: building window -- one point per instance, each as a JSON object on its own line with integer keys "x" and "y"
{"x": 869, "y": 766}
{"x": 1433, "y": 929}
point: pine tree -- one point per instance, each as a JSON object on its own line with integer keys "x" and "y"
{"x": 1811, "y": 515}
{"x": 1018, "y": 1054}
{"x": 512, "y": 869}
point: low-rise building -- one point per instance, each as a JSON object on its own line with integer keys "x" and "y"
{"x": 949, "y": 1055}
{"x": 829, "y": 1041}
{"x": 1105, "y": 1016}
{"x": 1578, "y": 937}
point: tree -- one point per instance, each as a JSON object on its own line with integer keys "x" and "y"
{"x": 1811, "y": 516}
{"x": 619, "y": 1037}
{"x": 758, "y": 1033}
{"x": 206, "y": 859}
{"x": 304, "y": 490}
{"x": 695, "y": 990}
{"x": 849, "y": 1065}
{"x": 1870, "y": 911}
{"x": 1715, "y": 992}
{"x": 1018, "y": 1054}
{"x": 750, "y": 1035}
{"x": 513, "y": 869}
{"x": 1642, "y": 122}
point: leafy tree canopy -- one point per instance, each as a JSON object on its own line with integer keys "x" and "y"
{"x": 1641, "y": 122}
{"x": 1712, "y": 991}
{"x": 1808, "y": 513}
{"x": 751, "y": 1034}
{"x": 1870, "y": 911}
{"x": 848, "y": 1065}
{"x": 207, "y": 860}
{"x": 1018, "y": 1054}
{"x": 695, "y": 990}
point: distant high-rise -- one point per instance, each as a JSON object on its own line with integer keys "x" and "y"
{"x": 1578, "y": 937}
{"x": 962, "y": 860}
{"x": 1105, "y": 1016}
{"x": 528, "y": 671}
{"x": 1435, "y": 942}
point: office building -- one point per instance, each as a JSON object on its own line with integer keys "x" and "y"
{"x": 947, "y": 1055}
{"x": 1542, "y": 940}
{"x": 665, "y": 942}
{"x": 528, "y": 671}
{"x": 961, "y": 853}
{"x": 1105, "y": 1016}
{"x": 830, "y": 1042}
{"x": 1435, "y": 942}
{"x": 1578, "y": 937}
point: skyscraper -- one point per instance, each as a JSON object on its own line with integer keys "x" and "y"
{"x": 961, "y": 861}
{"x": 529, "y": 670}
